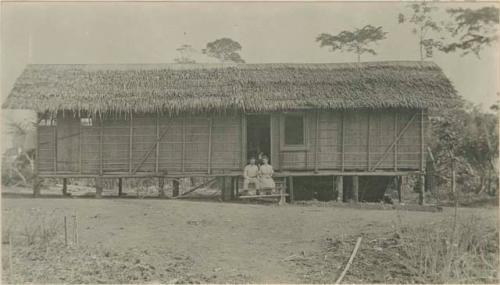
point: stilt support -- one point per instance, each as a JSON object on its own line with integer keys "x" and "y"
{"x": 339, "y": 181}
{"x": 175, "y": 187}
{"x": 98, "y": 187}
{"x": 290, "y": 189}
{"x": 237, "y": 186}
{"x": 161, "y": 187}
{"x": 225, "y": 184}
{"x": 399, "y": 187}
{"x": 355, "y": 189}
{"x": 37, "y": 183}
{"x": 421, "y": 190}
{"x": 65, "y": 187}
{"x": 120, "y": 187}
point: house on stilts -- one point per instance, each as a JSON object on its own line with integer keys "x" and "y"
{"x": 345, "y": 121}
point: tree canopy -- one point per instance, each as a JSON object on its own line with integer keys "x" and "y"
{"x": 357, "y": 41}
{"x": 472, "y": 30}
{"x": 423, "y": 24}
{"x": 224, "y": 49}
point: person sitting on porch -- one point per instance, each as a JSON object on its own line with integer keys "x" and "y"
{"x": 265, "y": 176}
{"x": 250, "y": 175}
{"x": 260, "y": 155}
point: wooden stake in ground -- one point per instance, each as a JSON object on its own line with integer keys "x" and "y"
{"x": 65, "y": 232}
{"x": 358, "y": 243}
{"x": 75, "y": 230}
{"x": 11, "y": 267}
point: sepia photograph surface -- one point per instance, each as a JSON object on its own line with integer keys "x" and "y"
{"x": 249, "y": 142}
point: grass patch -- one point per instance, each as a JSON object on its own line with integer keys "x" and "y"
{"x": 441, "y": 252}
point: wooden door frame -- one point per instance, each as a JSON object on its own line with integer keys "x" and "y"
{"x": 244, "y": 128}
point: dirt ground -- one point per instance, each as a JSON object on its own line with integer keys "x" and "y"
{"x": 225, "y": 242}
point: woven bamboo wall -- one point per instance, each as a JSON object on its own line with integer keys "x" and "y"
{"x": 115, "y": 144}
{"x": 46, "y": 148}
{"x": 226, "y": 143}
{"x": 358, "y": 140}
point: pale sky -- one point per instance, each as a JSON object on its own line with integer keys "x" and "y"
{"x": 269, "y": 32}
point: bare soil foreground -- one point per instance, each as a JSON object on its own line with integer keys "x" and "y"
{"x": 174, "y": 241}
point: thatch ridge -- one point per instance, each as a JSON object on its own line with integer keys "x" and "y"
{"x": 229, "y": 87}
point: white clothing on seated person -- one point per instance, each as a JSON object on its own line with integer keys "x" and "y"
{"x": 265, "y": 173}
{"x": 250, "y": 174}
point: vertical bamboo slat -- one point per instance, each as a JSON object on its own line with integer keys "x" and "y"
{"x": 368, "y": 142}
{"x": 36, "y": 184}
{"x": 37, "y": 145}
{"x": 131, "y": 140}
{"x": 342, "y": 137}
{"x": 55, "y": 147}
{"x": 80, "y": 134}
{"x": 316, "y": 143}
{"x": 422, "y": 141}
{"x": 396, "y": 144}
{"x": 244, "y": 140}
{"x": 157, "y": 125}
{"x": 183, "y": 155}
{"x": 101, "y": 141}
{"x": 209, "y": 162}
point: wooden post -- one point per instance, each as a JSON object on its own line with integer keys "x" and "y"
{"x": 75, "y": 229}
{"x": 65, "y": 187}
{"x": 120, "y": 187}
{"x": 222, "y": 185}
{"x": 130, "y": 144}
{"x": 157, "y": 158}
{"x": 368, "y": 143}
{"x": 422, "y": 141}
{"x": 421, "y": 192}
{"x": 36, "y": 186}
{"x": 101, "y": 146}
{"x": 355, "y": 188}
{"x": 161, "y": 187}
{"x": 316, "y": 143}
{"x": 453, "y": 181}
{"x": 237, "y": 185}
{"x": 65, "y": 231}
{"x": 55, "y": 148}
{"x": 244, "y": 140}
{"x": 36, "y": 179}
{"x": 209, "y": 162}
{"x": 225, "y": 184}
{"x": 233, "y": 188}
{"x": 223, "y": 188}
{"x": 395, "y": 138}
{"x": 340, "y": 188}
{"x": 290, "y": 187}
{"x": 98, "y": 187}
{"x": 80, "y": 146}
{"x": 175, "y": 187}
{"x": 183, "y": 155}
{"x": 421, "y": 189}
{"x": 399, "y": 187}
{"x": 342, "y": 142}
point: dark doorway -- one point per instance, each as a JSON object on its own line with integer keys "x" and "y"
{"x": 258, "y": 135}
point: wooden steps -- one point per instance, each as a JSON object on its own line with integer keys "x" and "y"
{"x": 262, "y": 196}
{"x": 279, "y": 192}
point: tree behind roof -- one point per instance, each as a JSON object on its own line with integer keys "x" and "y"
{"x": 357, "y": 41}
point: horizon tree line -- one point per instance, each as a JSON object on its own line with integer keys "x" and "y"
{"x": 466, "y": 31}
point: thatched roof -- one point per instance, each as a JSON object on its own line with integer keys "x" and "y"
{"x": 236, "y": 87}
